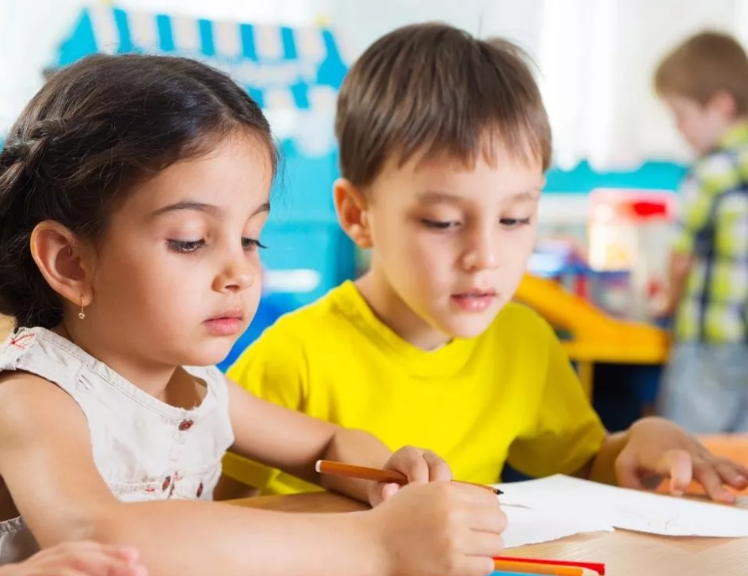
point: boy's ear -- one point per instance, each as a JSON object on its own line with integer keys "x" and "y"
{"x": 352, "y": 208}
{"x": 725, "y": 103}
{"x": 63, "y": 261}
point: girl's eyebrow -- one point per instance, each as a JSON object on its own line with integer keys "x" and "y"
{"x": 202, "y": 207}
{"x": 186, "y": 205}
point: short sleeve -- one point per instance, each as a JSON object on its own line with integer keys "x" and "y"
{"x": 568, "y": 433}
{"x": 272, "y": 368}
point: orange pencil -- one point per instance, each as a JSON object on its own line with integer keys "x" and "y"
{"x": 529, "y": 568}
{"x": 375, "y": 474}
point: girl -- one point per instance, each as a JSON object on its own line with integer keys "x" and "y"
{"x": 133, "y": 191}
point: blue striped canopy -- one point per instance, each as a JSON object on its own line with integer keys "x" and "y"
{"x": 280, "y": 67}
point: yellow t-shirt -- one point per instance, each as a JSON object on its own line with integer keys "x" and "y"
{"x": 508, "y": 395}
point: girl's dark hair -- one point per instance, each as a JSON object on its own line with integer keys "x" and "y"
{"x": 89, "y": 135}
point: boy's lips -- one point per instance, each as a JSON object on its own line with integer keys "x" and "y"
{"x": 474, "y": 300}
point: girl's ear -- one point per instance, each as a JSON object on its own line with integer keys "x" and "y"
{"x": 64, "y": 261}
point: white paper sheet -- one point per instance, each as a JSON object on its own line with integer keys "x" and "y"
{"x": 561, "y": 497}
{"x": 530, "y": 526}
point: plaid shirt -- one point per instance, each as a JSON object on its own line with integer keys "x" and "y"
{"x": 714, "y": 229}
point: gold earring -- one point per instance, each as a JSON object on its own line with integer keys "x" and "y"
{"x": 82, "y": 314}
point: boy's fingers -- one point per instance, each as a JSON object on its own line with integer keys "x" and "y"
{"x": 389, "y": 490}
{"x": 732, "y": 475}
{"x": 627, "y": 472}
{"x": 416, "y": 469}
{"x": 679, "y": 466}
{"x": 439, "y": 471}
{"x": 708, "y": 477}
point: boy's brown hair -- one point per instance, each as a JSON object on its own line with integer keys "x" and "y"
{"x": 435, "y": 90}
{"x": 703, "y": 65}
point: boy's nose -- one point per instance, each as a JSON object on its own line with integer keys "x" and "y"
{"x": 482, "y": 253}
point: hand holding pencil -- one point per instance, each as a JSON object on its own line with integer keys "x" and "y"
{"x": 440, "y": 529}
{"x": 407, "y": 465}
{"x": 435, "y": 525}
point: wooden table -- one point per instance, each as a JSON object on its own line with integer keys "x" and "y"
{"x": 624, "y": 553}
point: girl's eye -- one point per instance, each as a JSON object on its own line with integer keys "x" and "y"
{"x": 185, "y": 246}
{"x": 440, "y": 224}
{"x": 252, "y": 244}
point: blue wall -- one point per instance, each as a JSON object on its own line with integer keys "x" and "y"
{"x": 651, "y": 175}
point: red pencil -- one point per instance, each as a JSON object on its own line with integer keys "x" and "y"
{"x": 599, "y": 568}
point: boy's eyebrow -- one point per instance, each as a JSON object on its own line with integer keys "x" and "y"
{"x": 202, "y": 207}
{"x": 525, "y": 195}
{"x": 439, "y": 196}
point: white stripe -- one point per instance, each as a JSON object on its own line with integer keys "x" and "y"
{"x": 322, "y": 98}
{"x": 268, "y": 43}
{"x": 105, "y": 29}
{"x": 309, "y": 44}
{"x": 347, "y": 48}
{"x": 279, "y": 99}
{"x": 186, "y": 34}
{"x": 143, "y": 30}
{"x": 227, "y": 39}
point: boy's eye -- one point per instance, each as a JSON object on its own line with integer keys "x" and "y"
{"x": 185, "y": 246}
{"x": 252, "y": 243}
{"x": 514, "y": 222}
{"x": 440, "y": 224}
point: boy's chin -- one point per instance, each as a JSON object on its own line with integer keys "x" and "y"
{"x": 466, "y": 328}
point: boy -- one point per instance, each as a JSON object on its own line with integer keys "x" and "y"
{"x": 443, "y": 145}
{"x": 704, "y": 82}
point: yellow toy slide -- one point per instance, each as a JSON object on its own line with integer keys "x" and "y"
{"x": 595, "y": 337}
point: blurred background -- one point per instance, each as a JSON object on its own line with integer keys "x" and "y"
{"x": 607, "y": 211}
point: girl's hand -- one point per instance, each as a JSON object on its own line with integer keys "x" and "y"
{"x": 437, "y": 529}
{"x": 80, "y": 559}
{"x": 420, "y": 467}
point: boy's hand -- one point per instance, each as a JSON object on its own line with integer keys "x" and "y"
{"x": 438, "y": 529}
{"x": 658, "y": 448}
{"x": 420, "y": 466}
{"x": 79, "y": 559}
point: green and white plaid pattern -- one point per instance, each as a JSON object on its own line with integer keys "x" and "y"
{"x": 714, "y": 228}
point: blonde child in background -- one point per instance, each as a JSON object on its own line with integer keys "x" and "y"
{"x": 444, "y": 141}
{"x": 133, "y": 192}
{"x": 704, "y": 82}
